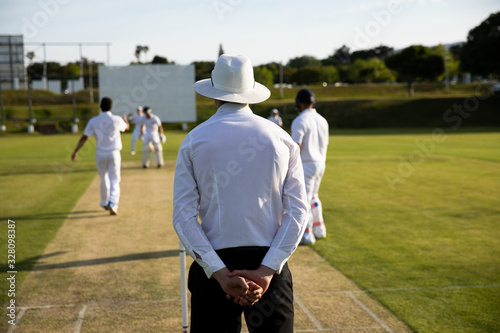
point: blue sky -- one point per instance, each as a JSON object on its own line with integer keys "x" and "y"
{"x": 265, "y": 31}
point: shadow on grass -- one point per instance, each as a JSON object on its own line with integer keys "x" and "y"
{"x": 30, "y": 264}
{"x": 81, "y": 214}
{"x": 58, "y": 170}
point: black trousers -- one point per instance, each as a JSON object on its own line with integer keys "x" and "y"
{"x": 212, "y": 312}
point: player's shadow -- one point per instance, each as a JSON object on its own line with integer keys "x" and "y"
{"x": 28, "y": 263}
{"x": 75, "y": 215}
{"x": 101, "y": 261}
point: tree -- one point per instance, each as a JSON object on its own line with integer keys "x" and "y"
{"x": 263, "y": 76}
{"x": 379, "y": 52}
{"x": 449, "y": 60}
{"x": 414, "y": 63}
{"x": 308, "y": 75}
{"x": 159, "y": 60}
{"x": 274, "y": 68}
{"x": 303, "y": 62}
{"x": 139, "y": 50}
{"x": 203, "y": 69}
{"x": 480, "y": 54}
{"x": 329, "y": 74}
{"x": 340, "y": 57}
{"x": 221, "y": 51}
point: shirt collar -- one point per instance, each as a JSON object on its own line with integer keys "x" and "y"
{"x": 310, "y": 110}
{"x": 229, "y": 108}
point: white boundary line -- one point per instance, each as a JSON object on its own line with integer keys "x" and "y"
{"x": 350, "y": 293}
{"x": 79, "y": 322}
{"x": 18, "y": 318}
{"x": 309, "y": 314}
{"x": 370, "y": 312}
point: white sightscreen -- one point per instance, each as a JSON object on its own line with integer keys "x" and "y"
{"x": 167, "y": 89}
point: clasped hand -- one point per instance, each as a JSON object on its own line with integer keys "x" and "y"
{"x": 244, "y": 287}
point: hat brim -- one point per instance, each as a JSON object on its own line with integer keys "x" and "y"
{"x": 258, "y": 94}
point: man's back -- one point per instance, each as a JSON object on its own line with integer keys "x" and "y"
{"x": 106, "y": 127}
{"x": 310, "y": 129}
{"x": 240, "y": 162}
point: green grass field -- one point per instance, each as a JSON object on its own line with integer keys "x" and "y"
{"x": 427, "y": 245}
{"x": 412, "y": 218}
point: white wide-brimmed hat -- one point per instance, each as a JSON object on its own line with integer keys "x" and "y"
{"x": 233, "y": 81}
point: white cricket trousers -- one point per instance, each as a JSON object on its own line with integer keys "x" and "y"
{"x": 155, "y": 140}
{"x": 136, "y": 134}
{"x": 313, "y": 173}
{"x": 108, "y": 165}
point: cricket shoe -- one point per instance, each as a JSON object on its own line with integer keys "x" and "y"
{"x": 319, "y": 230}
{"x": 113, "y": 210}
{"x": 308, "y": 238}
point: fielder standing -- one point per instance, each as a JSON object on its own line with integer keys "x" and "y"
{"x": 275, "y": 117}
{"x": 310, "y": 131}
{"x": 106, "y": 127}
{"x": 137, "y": 120}
{"x": 152, "y": 124}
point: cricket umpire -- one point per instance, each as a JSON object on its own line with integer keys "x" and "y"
{"x": 310, "y": 131}
{"x": 106, "y": 127}
{"x": 242, "y": 177}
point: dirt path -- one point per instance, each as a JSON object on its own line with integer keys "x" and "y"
{"x": 105, "y": 273}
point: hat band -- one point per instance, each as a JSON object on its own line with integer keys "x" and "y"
{"x": 231, "y": 89}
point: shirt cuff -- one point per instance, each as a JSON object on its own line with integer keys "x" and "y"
{"x": 275, "y": 259}
{"x": 210, "y": 262}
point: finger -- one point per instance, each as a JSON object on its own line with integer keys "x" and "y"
{"x": 242, "y": 284}
{"x": 238, "y": 272}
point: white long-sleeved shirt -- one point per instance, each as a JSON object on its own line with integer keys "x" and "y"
{"x": 310, "y": 130}
{"x": 151, "y": 124}
{"x": 138, "y": 119}
{"x": 106, "y": 127}
{"x": 242, "y": 176}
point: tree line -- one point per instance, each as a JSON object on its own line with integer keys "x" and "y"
{"x": 477, "y": 56}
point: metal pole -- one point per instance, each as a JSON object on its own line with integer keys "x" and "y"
{"x": 182, "y": 256}
{"x": 107, "y": 52}
{"x": 91, "y": 89}
{"x": 44, "y": 79}
{"x": 31, "y": 127}
{"x": 81, "y": 62}
{"x": 74, "y": 126}
{"x": 281, "y": 80}
{"x": 447, "y": 72}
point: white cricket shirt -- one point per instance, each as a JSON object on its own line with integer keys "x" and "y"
{"x": 137, "y": 119}
{"x": 241, "y": 175}
{"x": 106, "y": 127}
{"x": 310, "y": 130}
{"x": 151, "y": 124}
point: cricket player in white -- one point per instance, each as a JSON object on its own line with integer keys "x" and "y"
{"x": 106, "y": 127}
{"x": 137, "y": 120}
{"x": 152, "y": 124}
{"x": 310, "y": 132}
